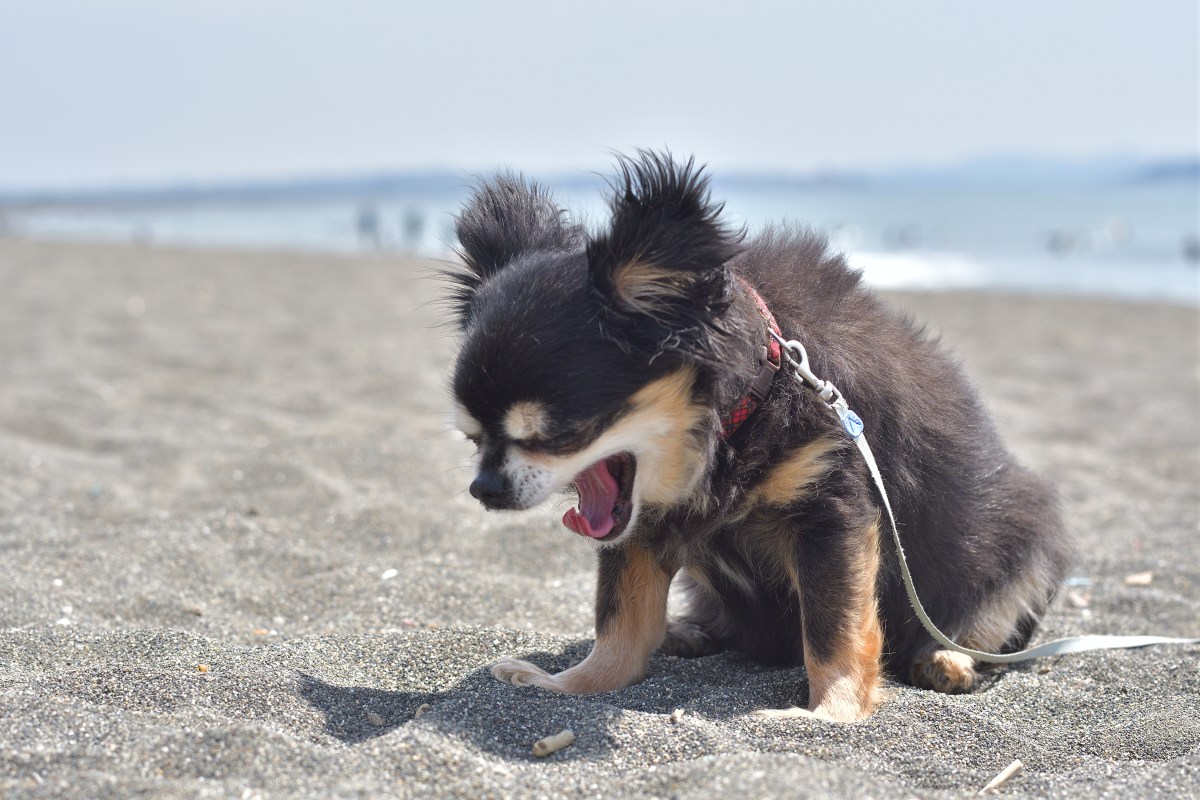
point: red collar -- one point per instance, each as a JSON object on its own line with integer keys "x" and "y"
{"x": 761, "y": 384}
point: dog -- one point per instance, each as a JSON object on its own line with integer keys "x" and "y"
{"x": 635, "y": 366}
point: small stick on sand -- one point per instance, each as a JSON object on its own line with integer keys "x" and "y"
{"x": 1003, "y": 777}
{"x": 1139, "y": 579}
{"x": 552, "y": 744}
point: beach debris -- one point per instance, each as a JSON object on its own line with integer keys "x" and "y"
{"x": 1139, "y": 578}
{"x": 676, "y": 715}
{"x": 202, "y": 667}
{"x": 388, "y": 574}
{"x": 1003, "y": 777}
{"x": 552, "y": 744}
{"x": 375, "y": 719}
{"x": 260, "y": 632}
{"x": 421, "y": 709}
{"x": 1079, "y": 599}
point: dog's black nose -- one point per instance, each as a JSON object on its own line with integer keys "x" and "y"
{"x": 489, "y": 488}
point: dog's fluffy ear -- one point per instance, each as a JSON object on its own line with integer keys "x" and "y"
{"x": 505, "y": 217}
{"x": 662, "y": 262}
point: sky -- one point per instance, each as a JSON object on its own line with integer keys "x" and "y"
{"x": 154, "y": 92}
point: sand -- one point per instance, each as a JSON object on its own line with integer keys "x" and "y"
{"x": 236, "y": 559}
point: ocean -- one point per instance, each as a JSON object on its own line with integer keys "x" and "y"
{"x": 1136, "y": 241}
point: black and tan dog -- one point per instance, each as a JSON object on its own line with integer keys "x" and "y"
{"x": 634, "y": 366}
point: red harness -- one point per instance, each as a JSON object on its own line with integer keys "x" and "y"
{"x": 766, "y": 373}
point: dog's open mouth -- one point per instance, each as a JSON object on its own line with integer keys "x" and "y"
{"x": 605, "y": 498}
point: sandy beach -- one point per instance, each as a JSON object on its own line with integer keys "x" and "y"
{"x": 237, "y": 559}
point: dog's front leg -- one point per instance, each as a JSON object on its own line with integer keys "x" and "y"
{"x": 631, "y": 621}
{"x": 834, "y": 575}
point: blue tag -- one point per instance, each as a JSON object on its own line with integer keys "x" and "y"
{"x": 852, "y": 424}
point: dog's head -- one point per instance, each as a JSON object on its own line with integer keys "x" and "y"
{"x": 585, "y": 358}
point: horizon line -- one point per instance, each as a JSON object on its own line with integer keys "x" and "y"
{"x": 1103, "y": 167}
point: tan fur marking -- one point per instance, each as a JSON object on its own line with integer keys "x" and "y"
{"x": 656, "y": 430}
{"x": 525, "y": 419}
{"x": 665, "y": 409}
{"x": 644, "y": 287}
{"x": 622, "y": 651}
{"x": 792, "y": 479}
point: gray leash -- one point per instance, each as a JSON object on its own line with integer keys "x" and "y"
{"x": 796, "y": 358}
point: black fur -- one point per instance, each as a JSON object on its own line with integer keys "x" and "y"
{"x": 506, "y": 218}
{"x": 662, "y": 215}
{"x": 544, "y": 319}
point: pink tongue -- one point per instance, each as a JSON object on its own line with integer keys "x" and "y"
{"x": 597, "y": 495}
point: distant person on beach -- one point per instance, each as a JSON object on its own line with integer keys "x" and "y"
{"x": 367, "y": 224}
{"x": 1191, "y": 248}
{"x": 414, "y": 229}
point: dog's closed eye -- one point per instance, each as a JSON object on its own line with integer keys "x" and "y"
{"x": 562, "y": 443}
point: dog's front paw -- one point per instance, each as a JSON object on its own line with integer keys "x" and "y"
{"x": 522, "y": 673}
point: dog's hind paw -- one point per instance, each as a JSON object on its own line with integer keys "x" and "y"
{"x": 688, "y": 640}
{"x": 522, "y": 673}
{"x": 944, "y": 671}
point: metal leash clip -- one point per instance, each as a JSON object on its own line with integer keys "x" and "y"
{"x": 797, "y": 357}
